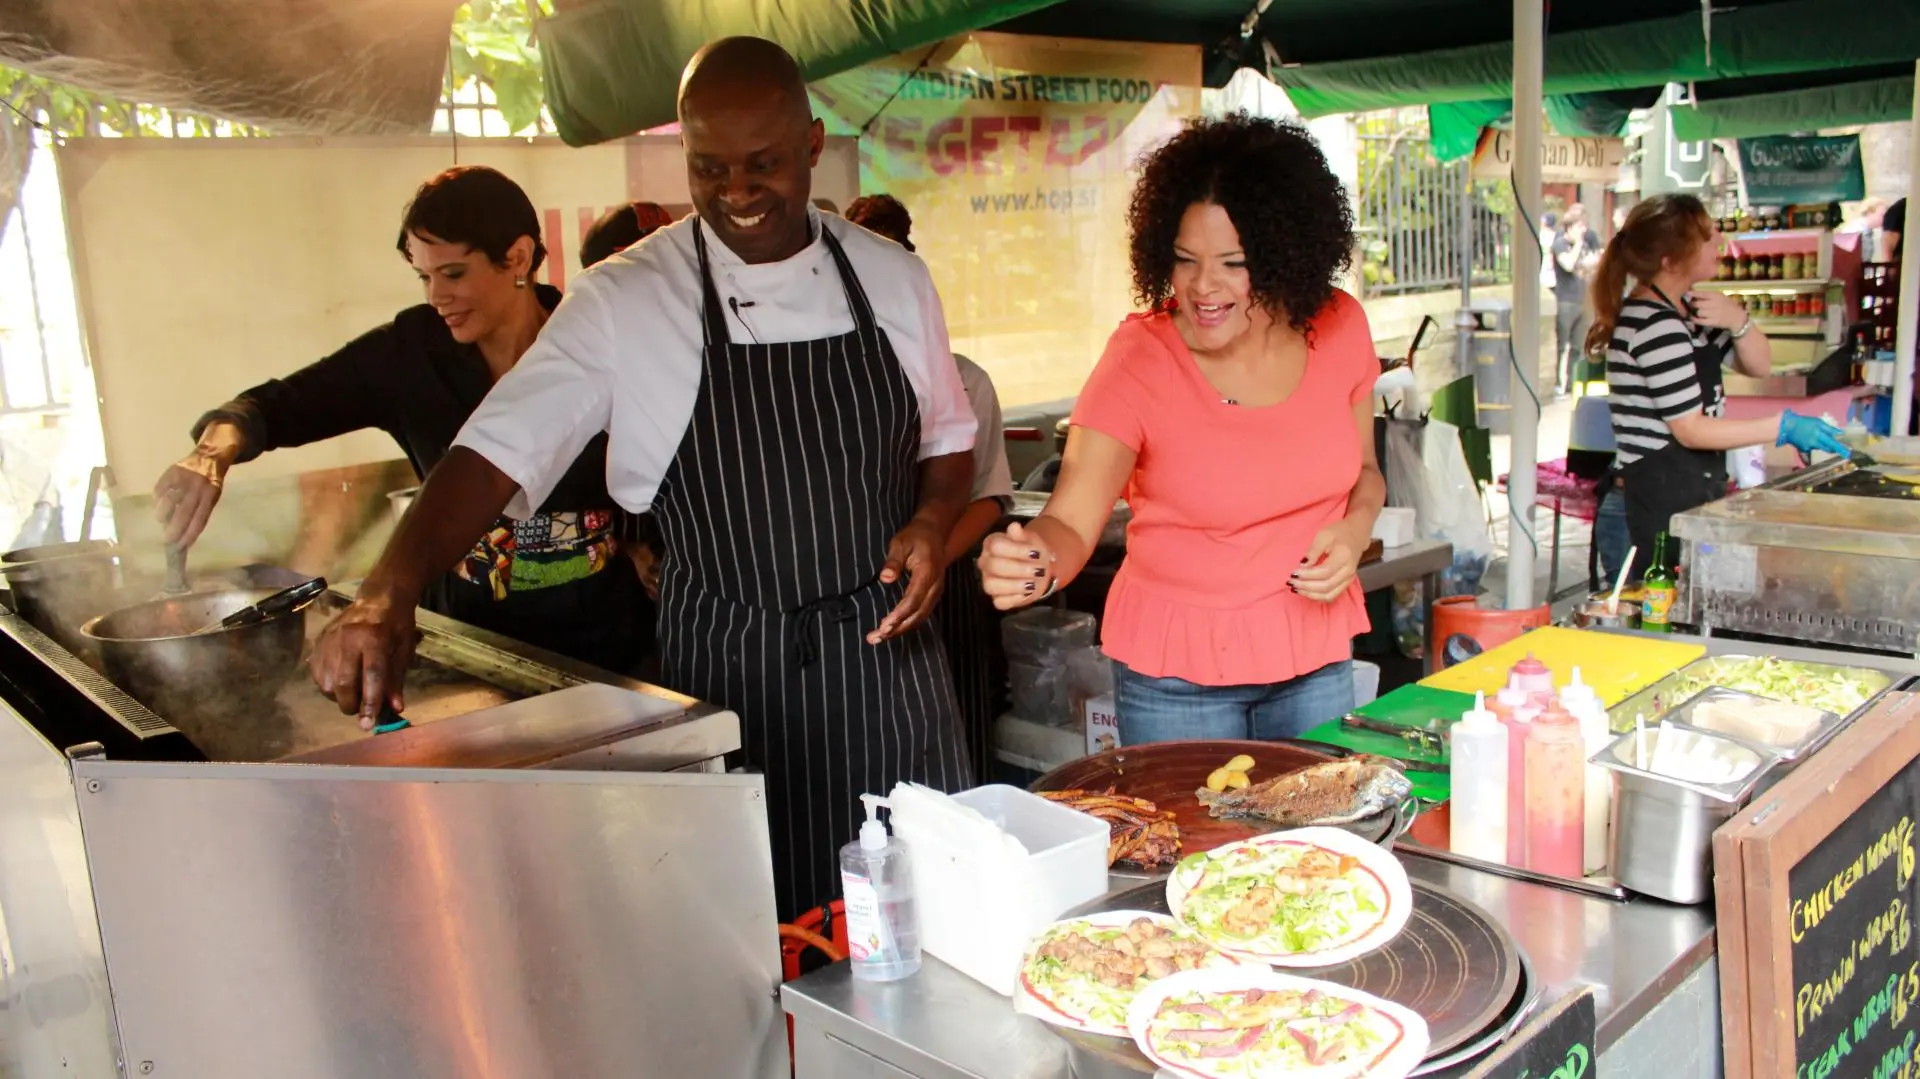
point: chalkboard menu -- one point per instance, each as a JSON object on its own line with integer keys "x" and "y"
{"x": 1560, "y": 1043}
{"x": 1856, "y": 964}
{"x": 1816, "y": 891}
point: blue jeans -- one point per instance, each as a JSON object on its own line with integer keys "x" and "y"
{"x": 1174, "y": 709}
{"x": 1610, "y": 532}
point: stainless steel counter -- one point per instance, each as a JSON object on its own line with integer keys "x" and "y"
{"x": 940, "y": 1024}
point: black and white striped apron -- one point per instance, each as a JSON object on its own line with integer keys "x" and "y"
{"x": 800, "y": 463}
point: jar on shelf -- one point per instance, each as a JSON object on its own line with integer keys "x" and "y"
{"x": 1803, "y": 305}
{"x": 1791, "y": 264}
{"x": 1817, "y": 304}
{"x": 1725, "y": 273}
{"x": 1776, "y": 268}
{"x": 1742, "y": 268}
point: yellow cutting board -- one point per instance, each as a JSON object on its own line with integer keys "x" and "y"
{"x": 1615, "y": 666}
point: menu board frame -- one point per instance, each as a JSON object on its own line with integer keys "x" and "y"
{"x": 1753, "y": 855}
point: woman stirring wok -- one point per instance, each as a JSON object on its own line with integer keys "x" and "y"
{"x": 554, "y": 581}
{"x": 1236, "y": 417}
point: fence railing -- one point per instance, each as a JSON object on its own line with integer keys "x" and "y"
{"x": 1408, "y": 213}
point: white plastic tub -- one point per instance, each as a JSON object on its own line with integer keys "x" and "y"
{"x": 980, "y": 901}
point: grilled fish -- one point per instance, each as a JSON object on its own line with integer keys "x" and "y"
{"x": 1337, "y": 792}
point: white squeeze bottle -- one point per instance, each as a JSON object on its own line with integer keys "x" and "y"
{"x": 1478, "y": 773}
{"x": 883, "y": 933}
{"x": 1580, "y": 699}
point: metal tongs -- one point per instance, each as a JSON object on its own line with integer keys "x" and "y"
{"x": 285, "y": 601}
{"x": 1430, "y": 740}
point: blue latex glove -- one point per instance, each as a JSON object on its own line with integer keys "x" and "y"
{"x": 1810, "y": 433}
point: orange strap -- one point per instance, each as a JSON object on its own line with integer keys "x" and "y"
{"x": 812, "y": 939}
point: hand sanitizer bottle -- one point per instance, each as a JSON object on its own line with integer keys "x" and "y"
{"x": 883, "y": 935}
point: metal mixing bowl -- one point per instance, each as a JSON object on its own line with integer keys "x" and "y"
{"x": 217, "y": 688}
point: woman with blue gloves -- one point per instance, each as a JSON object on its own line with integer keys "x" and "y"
{"x": 1666, "y": 345}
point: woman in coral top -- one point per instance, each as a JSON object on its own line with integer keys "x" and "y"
{"x": 1236, "y": 418}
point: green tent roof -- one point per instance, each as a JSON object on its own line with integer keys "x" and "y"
{"x": 612, "y": 65}
{"x": 1748, "y": 108}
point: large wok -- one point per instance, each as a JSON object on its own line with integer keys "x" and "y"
{"x": 216, "y": 688}
{"x": 59, "y": 586}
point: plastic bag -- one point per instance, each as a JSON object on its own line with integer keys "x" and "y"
{"x": 1427, "y": 470}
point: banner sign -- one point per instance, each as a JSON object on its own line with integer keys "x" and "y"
{"x": 1784, "y": 170}
{"x": 1015, "y": 157}
{"x": 1564, "y": 159}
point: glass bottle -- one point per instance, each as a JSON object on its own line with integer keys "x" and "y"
{"x": 1658, "y": 591}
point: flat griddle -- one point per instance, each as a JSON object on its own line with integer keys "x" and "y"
{"x": 1453, "y": 965}
{"x": 1167, "y": 774}
{"x": 1871, "y": 483}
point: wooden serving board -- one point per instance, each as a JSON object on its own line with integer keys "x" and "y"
{"x": 1167, "y": 774}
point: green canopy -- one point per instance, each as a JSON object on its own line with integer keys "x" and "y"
{"x": 1455, "y": 128}
{"x": 1736, "y": 110}
{"x": 612, "y": 67}
{"x": 1753, "y": 39}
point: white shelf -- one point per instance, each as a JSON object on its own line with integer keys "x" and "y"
{"x": 1798, "y": 324}
{"x": 1802, "y": 284}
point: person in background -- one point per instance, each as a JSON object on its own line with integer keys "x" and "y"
{"x": 1549, "y": 226}
{"x": 1046, "y": 474}
{"x": 615, "y": 231}
{"x": 1666, "y": 344}
{"x": 1575, "y": 250}
{"x": 967, "y": 621}
{"x": 778, "y": 390}
{"x": 1236, "y": 415}
{"x": 554, "y": 579}
{"x": 1893, "y": 226}
{"x": 619, "y": 229}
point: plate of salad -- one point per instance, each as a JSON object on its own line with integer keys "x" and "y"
{"x": 1263, "y": 1024}
{"x": 1083, "y": 973}
{"x": 1309, "y": 897}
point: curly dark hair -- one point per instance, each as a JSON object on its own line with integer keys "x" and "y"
{"x": 1273, "y": 181}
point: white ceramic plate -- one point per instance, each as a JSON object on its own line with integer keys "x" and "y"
{"x": 1394, "y": 1061}
{"x": 1027, "y": 1001}
{"x": 1376, "y": 864}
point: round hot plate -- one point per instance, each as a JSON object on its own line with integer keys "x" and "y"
{"x": 1168, "y": 773}
{"x": 1452, "y": 964}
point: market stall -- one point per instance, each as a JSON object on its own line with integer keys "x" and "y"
{"x": 207, "y": 871}
{"x": 1501, "y": 962}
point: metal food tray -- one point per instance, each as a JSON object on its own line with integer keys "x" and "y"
{"x": 1665, "y": 695}
{"x": 1830, "y": 724}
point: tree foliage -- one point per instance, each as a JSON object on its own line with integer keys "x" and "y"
{"x": 493, "y": 43}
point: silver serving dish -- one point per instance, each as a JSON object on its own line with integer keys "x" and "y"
{"x": 1661, "y": 840}
{"x": 1815, "y": 739}
{"x": 1675, "y": 689}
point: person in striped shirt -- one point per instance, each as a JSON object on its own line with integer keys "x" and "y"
{"x": 1666, "y": 342}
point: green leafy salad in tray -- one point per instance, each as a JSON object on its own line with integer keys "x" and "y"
{"x": 1840, "y": 690}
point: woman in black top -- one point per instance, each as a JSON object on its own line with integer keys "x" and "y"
{"x": 557, "y": 580}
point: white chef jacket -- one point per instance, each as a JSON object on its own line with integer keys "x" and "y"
{"x": 622, "y": 354}
{"x": 992, "y": 476}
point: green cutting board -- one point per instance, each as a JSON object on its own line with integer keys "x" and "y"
{"x": 1411, "y": 706}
